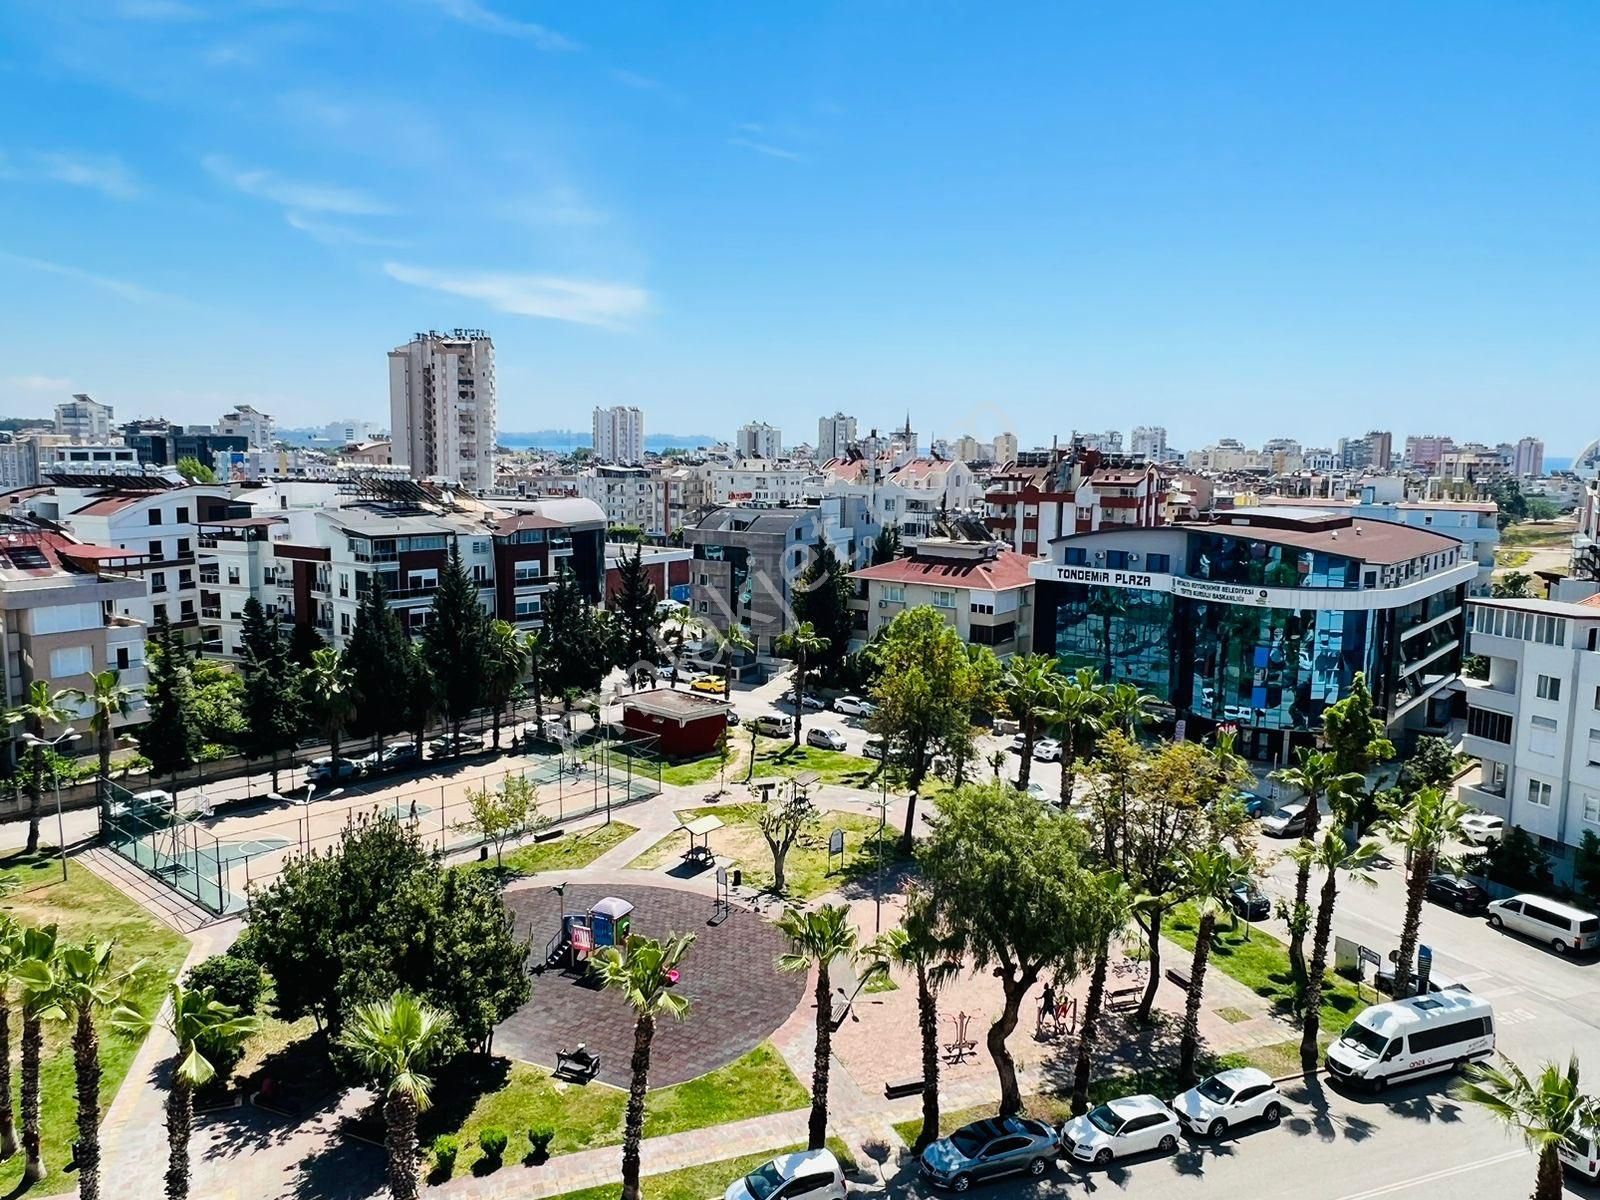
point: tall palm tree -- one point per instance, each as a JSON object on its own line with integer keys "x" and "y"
{"x": 732, "y": 644}
{"x": 915, "y": 946}
{"x": 1028, "y": 689}
{"x": 33, "y": 971}
{"x": 109, "y": 700}
{"x": 1313, "y": 776}
{"x": 1115, "y": 902}
{"x": 331, "y": 685}
{"x": 11, "y": 950}
{"x": 643, "y": 970}
{"x": 42, "y": 708}
{"x": 1422, "y": 825}
{"x": 1127, "y": 708}
{"x": 1549, "y": 1111}
{"x": 78, "y": 985}
{"x": 197, "y": 1020}
{"x": 819, "y": 937}
{"x": 801, "y": 643}
{"x": 1206, "y": 876}
{"x": 505, "y": 661}
{"x": 394, "y": 1040}
{"x": 1333, "y": 855}
{"x": 533, "y": 648}
{"x": 1075, "y": 708}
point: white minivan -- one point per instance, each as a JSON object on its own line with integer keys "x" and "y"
{"x": 1560, "y": 925}
{"x": 1584, "y": 1157}
{"x": 1410, "y": 1038}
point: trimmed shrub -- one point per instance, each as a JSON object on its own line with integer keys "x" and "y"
{"x": 539, "y": 1139}
{"x": 492, "y": 1141}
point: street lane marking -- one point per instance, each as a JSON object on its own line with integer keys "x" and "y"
{"x": 1389, "y": 1189}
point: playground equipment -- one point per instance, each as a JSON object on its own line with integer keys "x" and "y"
{"x": 581, "y": 934}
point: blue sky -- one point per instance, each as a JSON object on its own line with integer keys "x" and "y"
{"x": 1231, "y": 219}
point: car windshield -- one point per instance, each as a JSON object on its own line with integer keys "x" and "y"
{"x": 762, "y": 1182}
{"x": 1215, "y": 1090}
{"x": 1367, "y": 1041}
{"x": 967, "y": 1142}
{"x": 1105, "y": 1119}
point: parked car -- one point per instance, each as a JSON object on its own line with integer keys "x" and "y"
{"x": 874, "y": 748}
{"x": 709, "y": 683}
{"x": 1228, "y": 1099}
{"x": 1288, "y": 821}
{"x": 1249, "y": 901}
{"x": 390, "y": 758}
{"x": 452, "y": 743}
{"x": 987, "y": 1150}
{"x": 1018, "y": 744}
{"x": 825, "y": 739}
{"x": 812, "y": 1174}
{"x": 332, "y": 770}
{"x": 733, "y": 717}
{"x": 775, "y": 724}
{"x": 807, "y": 703}
{"x": 854, "y": 706}
{"x": 1480, "y": 828}
{"x": 1457, "y": 892}
{"x": 1561, "y": 926}
{"x": 1047, "y": 750}
{"x": 1255, "y": 807}
{"x": 1119, "y": 1128}
{"x": 1584, "y": 1157}
{"x": 1438, "y": 981}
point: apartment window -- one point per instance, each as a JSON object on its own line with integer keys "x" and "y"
{"x": 155, "y": 550}
{"x": 1159, "y": 563}
{"x": 1594, "y": 747}
{"x": 1117, "y": 560}
{"x": 480, "y": 573}
{"x": 529, "y": 607}
{"x": 706, "y": 579}
{"x": 705, "y": 607}
{"x": 1597, "y": 698}
{"x": 160, "y": 612}
{"x": 1076, "y": 556}
{"x": 186, "y": 610}
{"x": 418, "y": 581}
{"x": 1538, "y": 793}
{"x": 480, "y": 547}
{"x": 1542, "y": 736}
{"x": 344, "y": 624}
{"x": 1491, "y": 726}
{"x": 1030, "y": 535}
{"x": 233, "y": 576}
{"x": 895, "y": 594}
{"x": 1549, "y": 687}
{"x": 529, "y": 572}
{"x": 71, "y": 660}
{"x": 155, "y": 516}
{"x": 158, "y": 582}
{"x": 1591, "y": 808}
{"x": 183, "y": 548}
{"x": 183, "y": 515}
{"x": 185, "y": 579}
{"x": 344, "y": 584}
{"x": 944, "y": 599}
{"x": 122, "y": 658}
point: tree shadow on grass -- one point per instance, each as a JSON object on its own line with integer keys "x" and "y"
{"x": 456, "y": 1092}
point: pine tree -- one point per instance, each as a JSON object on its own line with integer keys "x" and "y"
{"x": 258, "y": 635}
{"x": 822, "y": 596}
{"x": 454, "y": 643}
{"x": 634, "y": 609}
{"x": 271, "y": 702}
{"x": 574, "y": 638}
{"x": 886, "y": 546}
{"x": 168, "y": 738}
{"x": 376, "y": 655}
{"x": 304, "y": 641}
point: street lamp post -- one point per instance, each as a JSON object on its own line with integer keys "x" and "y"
{"x": 66, "y": 735}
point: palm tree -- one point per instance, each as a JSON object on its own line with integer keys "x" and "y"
{"x": 505, "y": 660}
{"x": 11, "y": 950}
{"x": 819, "y": 938}
{"x": 394, "y": 1040}
{"x": 915, "y": 946}
{"x": 997, "y": 762}
{"x": 1549, "y": 1110}
{"x": 1206, "y": 876}
{"x": 196, "y": 1019}
{"x": 331, "y": 686}
{"x": 533, "y": 649}
{"x": 1075, "y": 706}
{"x": 643, "y": 970}
{"x": 1127, "y": 708}
{"x": 1314, "y": 777}
{"x": 732, "y": 644}
{"x": 42, "y": 708}
{"x": 33, "y": 971}
{"x": 801, "y": 643}
{"x": 1422, "y": 825}
{"x": 78, "y": 985}
{"x": 1333, "y": 854}
{"x": 1114, "y": 906}
{"x": 110, "y": 700}
{"x": 1028, "y": 687}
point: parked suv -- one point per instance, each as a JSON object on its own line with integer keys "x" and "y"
{"x": 775, "y": 724}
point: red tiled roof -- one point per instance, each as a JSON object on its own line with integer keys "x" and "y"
{"x": 1005, "y": 571}
{"x": 106, "y": 505}
{"x": 1591, "y": 601}
{"x": 517, "y": 521}
{"x": 918, "y": 468}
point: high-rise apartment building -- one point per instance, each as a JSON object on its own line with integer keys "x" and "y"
{"x": 1005, "y": 447}
{"x": 244, "y": 421}
{"x": 760, "y": 440}
{"x": 1528, "y": 459}
{"x": 835, "y": 435}
{"x": 442, "y": 406}
{"x": 85, "y": 418}
{"x": 1109, "y": 442}
{"x": 619, "y": 435}
{"x": 1149, "y": 442}
{"x": 1424, "y": 452}
{"x": 1374, "y": 449}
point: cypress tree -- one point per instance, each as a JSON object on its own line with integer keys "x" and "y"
{"x": 634, "y": 609}
{"x": 168, "y": 738}
{"x": 376, "y": 656}
{"x": 455, "y": 643}
{"x": 822, "y": 596}
{"x": 271, "y": 701}
{"x": 574, "y": 640}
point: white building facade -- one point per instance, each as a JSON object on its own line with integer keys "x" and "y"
{"x": 619, "y": 435}
{"x": 835, "y": 436}
{"x": 85, "y": 418}
{"x": 758, "y": 440}
{"x": 442, "y": 407}
{"x": 244, "y": 421}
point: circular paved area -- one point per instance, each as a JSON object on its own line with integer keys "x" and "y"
{"x": 737, "y": 995}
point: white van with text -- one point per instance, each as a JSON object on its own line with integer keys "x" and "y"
{"x": 1409, "y": 1038}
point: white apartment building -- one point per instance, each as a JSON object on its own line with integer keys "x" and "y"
{"x": 835, "y": 435}
{"x": 1527, "y": 459}
{"x": 1149, "y": 442}
{"x": 244, "y": 421}
{"x": 1534, "y": 724}
{"x": 911, "y": 493}
{"x": 19, "y": 464}
{"x": 982, "y": 590}
{"x": 619, "y": 435}
{"x": 85, "y": 418}
{"x": 758, "y": 440}
{"x": 348, "y": 431}
{"x": 1109, "y": 442}
{"x": 763, "y": 481}
{"x": 627, "y": 495}
{"x": 79, "y": 459}
{"x": 1005, "y": 447}
{"x": 442, "y": 407}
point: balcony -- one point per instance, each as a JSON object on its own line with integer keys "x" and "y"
{"x": 1485, "y": 799}
{"x": 1481, "y": 694}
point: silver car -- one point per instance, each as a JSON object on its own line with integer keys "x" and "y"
{"x": 987, "y": 1149}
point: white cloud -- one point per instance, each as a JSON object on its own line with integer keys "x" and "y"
{"x": 295, "y": 194}
{"x": 131, "y": 292}
{"x": 582, "y": 301}
{"x": 330, "y": 233}
{"x": 38, "y": 383}
{"x": 768, "y": 149}
{"x": 470, "y": 12}
{"x": 103, "y": 173}
{"x": 561, "y": 205}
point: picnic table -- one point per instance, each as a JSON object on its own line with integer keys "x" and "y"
{"x": 701, "y": 828}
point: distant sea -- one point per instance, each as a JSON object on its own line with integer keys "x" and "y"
{"x": 567, "y": 440}
{"x": 1557, "y": 464}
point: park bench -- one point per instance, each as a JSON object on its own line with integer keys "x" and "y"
{"x": 1121, "y": 999}
{"x": 1179, "y": 976}
{"x": 894, "y": 1089}
{"x": 578, "y": 1065}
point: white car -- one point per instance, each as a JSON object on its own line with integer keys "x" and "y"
{"x": 1047, "y": 750}
{"x": 332, "y": 770}
{"x": 1227, "y": 1099}
{"x": 1288, "y": 821}
{"x": 1585, "y": 1158}
{"x": 1480, "y": 828}
{"x": 854, "y": 706}
{"x": 1118, "y": 1128}
{"x": 825, "y": 739}
{"x": 814, "y": 1174}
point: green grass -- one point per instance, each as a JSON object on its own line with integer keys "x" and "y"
{"x": 1506, "y": 560}
{"x": 84, "y": 908}
{"x": 566, "y": 853}
{"x": 1527, "y": 533}
{"x": 706, "y": 1179}
{"x": 834, "y": 766}
{"x": 806, "y": 871}
{"x": 1233, "y": 1016}
{"x": 519, "y": 1096}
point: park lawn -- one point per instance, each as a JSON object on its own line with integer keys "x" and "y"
{"x": 834, "y": 766}
{"x": 567, "y": 853}
{"x": 1261, "y": 962}
{"x": 1539, "y": 533}
{"x": 704, "y": 1179}
{"x": 806, "y": 870}
{"x": 586, "y": 1116}
{"x": 84, "y": 908}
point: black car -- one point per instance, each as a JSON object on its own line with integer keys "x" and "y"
{"x": 1458, "y": 893}
{"x": 1249, "y": 901}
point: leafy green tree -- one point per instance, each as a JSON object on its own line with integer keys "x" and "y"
{"x": 818, "y": 939}
{"x": 533, "y": 651}
{"x": 304, "y": 642}
{"x": 1355, "y": 736}
{"x": 43, "y": 707}
{"x": 1549, "y": 1110}
{"x": 635, "y": 606}
{"x": 821, "y": 598}
{"x": 505, "y": 661}
{"x": 1206, "y": 876}
{"x": 272, "y": 696}
{"x": 1586, "y": 865}
{"x": 915, "y": 946}
{"x": 1315, "y": 776}
{"x": 1432, "y": 764}
{"x": 644, "y": 971}
{"x": 168, "y": 737}
{"x": 1542, "y": 508}
{"x": 577, "y": 651}
{"x": 803, "y": 644}
{"x": 501, "y": 814}
{"x": 886, "y": 546}
{"x": 1075, "y": 709}
{"x": 1114, "y": 904}
{"x": 1516, "y": 861}
{"x": 925, "y": 693}
{"x": 1425, "y": 823}
{"x": 454, "y": 644}
{"x": 781, "y": 825}
{"x": 192, "y": 470}
{"x": 330, "y": 688}
{"x": 376, "y": 655}
{"x": 1014, "y": 896}
{"x": 1334, "y": 856}
{"x": 1028, "y": 687}
{"x": 1513, "y": 585}
{"x": 395, "y": 1040}
{"x": 1508, "y": 497}
{"x": 418, "y": 691}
